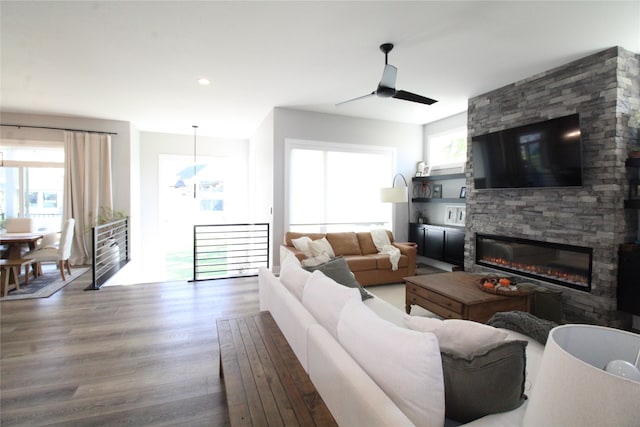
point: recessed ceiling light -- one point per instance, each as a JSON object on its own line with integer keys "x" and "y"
{"x": 204, "y": 81}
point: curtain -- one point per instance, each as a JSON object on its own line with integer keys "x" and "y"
{"x": 87, "y": 187}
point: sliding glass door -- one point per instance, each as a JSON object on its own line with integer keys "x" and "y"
{"x": 190, "y": 194}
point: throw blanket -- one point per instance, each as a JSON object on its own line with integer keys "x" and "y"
{"x": 525, "y": 323}
{"x": 384, "y": 246}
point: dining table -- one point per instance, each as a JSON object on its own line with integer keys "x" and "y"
{"x": 16, "y": 241}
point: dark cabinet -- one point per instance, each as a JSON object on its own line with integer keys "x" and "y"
{"x": 416, "y": 235}
{"x": 433, "y": 242}
{"x": 629, "y": 282}
{"x": 438, "y": 242}
{"x": 633, "y": 202}
{"x": 454, "y": 246}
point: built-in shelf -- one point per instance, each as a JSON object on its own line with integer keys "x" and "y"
{"x": 439, "y": 177}
{"x": 417, "y": 180}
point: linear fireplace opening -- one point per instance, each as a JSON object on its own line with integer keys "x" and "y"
{"x": 564, "y": 265}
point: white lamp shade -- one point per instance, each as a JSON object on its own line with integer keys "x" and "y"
{"x": 394, "y": 195}
{"x": 572, "y": 388}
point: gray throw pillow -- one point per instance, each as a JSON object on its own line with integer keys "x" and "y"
{"x": 487, "y": 382}
{"x": 525, "y": 323}
{"x": 338, "y": 270}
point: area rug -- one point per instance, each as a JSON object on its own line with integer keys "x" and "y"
{"x": 44, "y": 286}
{"x": 422, "y": 269}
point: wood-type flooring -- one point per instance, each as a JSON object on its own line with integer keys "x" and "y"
{"x": 139, "y": 355}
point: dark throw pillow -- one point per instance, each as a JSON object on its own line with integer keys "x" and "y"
{"x": 338, "y": 270}
{"x": 525, "y": 323}
{"x": 487, "y": 382}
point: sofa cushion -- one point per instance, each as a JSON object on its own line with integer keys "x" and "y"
{"x": 361, "y": 262}
{"x": 406, "y": 364}
{"x": 293, "y": 276}
{"x": 338, "y": 270}
{"x": 386, "y": 311}
{"x": 302, "y": 244}
{"x": 321, "y": 247}
{"x": 290, "y": 235}
{"x": 316, "y": 260}
{"x": 487, "y": 381}
{"x": 461, "y": 336}
{"x": 351, "y": 395}
{"x": 366, "y": 242}
{"x": 324, "y": 298}
{"x": 423, "y": 324}
{"x": 344, "y": 243}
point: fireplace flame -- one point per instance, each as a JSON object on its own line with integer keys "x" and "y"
{"x": 542, "y": 271}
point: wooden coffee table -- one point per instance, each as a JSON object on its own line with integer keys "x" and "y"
{"x": 455, "y": 296}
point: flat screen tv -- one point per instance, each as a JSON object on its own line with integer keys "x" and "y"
{"x": 544, "y": 154}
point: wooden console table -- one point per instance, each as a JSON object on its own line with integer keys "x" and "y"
{"x": 265, "y": 383}
{"x": 455, "y": 296}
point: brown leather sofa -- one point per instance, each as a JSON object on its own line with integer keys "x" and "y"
{"x": 363, "y": 259}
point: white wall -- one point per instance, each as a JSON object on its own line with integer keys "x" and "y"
{"x": 295, "y": 124}
{"x": 435, "y": 212}
{"x": 440, "y": 126}
{"x": 135, "y": 210}
{"x": 261, "y": 174}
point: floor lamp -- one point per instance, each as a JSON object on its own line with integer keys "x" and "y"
{"x": 395, "y": 194}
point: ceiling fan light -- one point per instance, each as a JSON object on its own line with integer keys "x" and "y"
{"x": 204, "y": 81}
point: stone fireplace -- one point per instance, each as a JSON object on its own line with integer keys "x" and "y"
{"x": 604, "y": 89}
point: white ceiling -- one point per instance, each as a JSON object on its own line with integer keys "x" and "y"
{"x": 139, "y": 61}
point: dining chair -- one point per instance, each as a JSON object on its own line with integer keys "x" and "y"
{"x": 20, "y": 225}
{"x": 49, "y": 252}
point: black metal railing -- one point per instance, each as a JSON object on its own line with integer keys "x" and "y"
{"x": 227, "y": 251}
{"x": 110, "y": 244}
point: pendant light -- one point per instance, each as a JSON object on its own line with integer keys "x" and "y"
{"x": 195, "y": 182}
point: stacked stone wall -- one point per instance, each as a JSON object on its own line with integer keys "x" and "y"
{"x": 604, "y": 90}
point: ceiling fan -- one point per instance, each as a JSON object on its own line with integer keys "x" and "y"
{"x": 387, "y": 86}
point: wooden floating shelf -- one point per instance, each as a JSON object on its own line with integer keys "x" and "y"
{"x": 439, "y": 177}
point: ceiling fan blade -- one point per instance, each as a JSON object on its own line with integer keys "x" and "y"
{"x": 408, "y": 96}
{"x": 355, "y": 99}
{"x": 389, "y": 76}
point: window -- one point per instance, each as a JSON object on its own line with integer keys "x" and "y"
{"x": 448, "y": 149}
{"x": 32, "y": 182}
{"x": 179, "y": 208}
{"x": 336, "y": 187}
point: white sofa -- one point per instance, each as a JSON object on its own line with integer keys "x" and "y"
{"x": 326, "y": 340}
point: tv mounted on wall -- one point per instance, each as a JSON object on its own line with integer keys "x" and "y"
{"x": 543, "y": 154}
